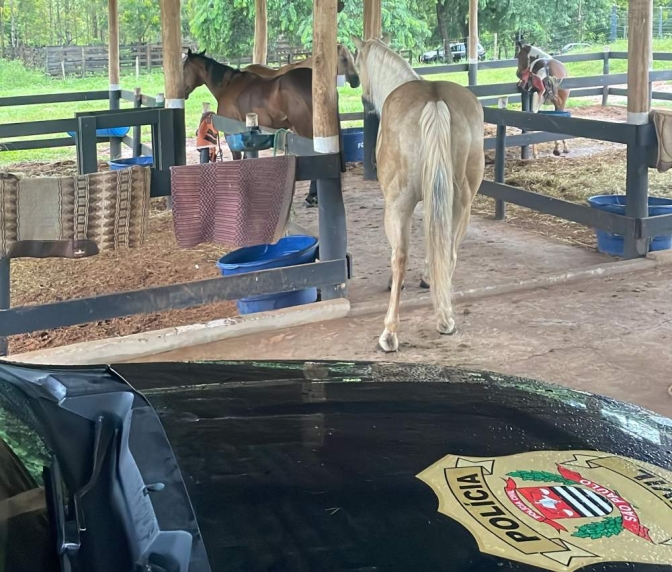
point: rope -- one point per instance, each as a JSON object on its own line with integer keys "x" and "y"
{"x": 277, "y": 139}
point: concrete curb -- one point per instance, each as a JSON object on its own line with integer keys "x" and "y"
{"x": 116, "y": 350}
{"x": 653, "y": 260}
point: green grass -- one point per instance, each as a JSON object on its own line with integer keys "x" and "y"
{"x": 15, "y": 79}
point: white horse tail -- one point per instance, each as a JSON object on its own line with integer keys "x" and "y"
{"x": 438, "y": 194}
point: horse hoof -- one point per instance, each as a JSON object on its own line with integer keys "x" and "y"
{"x": 389, "y": 284}
{"x": 447, "y": 329}
{"x": 388, "y": 342}
{"x": 556, "y": 152}
{"x": 424, "y": 284}
{"x": 565, "y": 151}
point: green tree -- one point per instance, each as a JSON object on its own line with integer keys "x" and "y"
{"x": 140, "y": 20}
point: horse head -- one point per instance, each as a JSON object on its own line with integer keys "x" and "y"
{"x": 522, "y": 54}
{"x": 346, "y": 66}
{"x": 193, "y": 71}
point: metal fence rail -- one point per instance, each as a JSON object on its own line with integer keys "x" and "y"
{"x": 330, "y": 274}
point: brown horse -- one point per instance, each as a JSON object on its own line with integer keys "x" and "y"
{"x": 541, "y": 75}
{"x": 346, "y": 67}
{"x": 283, "y": 102}
{"x": 430, "y": 149}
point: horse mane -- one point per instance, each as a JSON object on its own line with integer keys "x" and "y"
{"x": 387, "y": 70}
{"x": 537, "y": 53}
{"x": 213, "y": 68}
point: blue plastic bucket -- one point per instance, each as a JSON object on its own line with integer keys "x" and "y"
{"x": 288, "y": 251}
{"x": 119, "y": 164}
{"x": 112, "y": 132}
{"x": 353, "y": 145}
{"x": 555, "y": 113}
{"x": 612, "y": 244}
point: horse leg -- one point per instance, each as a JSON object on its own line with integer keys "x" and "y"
{"x": 398, "y": 230}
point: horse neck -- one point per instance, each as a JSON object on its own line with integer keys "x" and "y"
{"x": 387, "y": 71}
{"x": 216, "y": 76}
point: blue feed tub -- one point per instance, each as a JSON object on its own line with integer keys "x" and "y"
{"x": 555, "y": 113}
{"x": 612, "y": 244}
{"x": 288, "y": 251}
{"x": 112, "y": 132}
{"x": 119, "y": 164}
{"x": 353, "y": 145}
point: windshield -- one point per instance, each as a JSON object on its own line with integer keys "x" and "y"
{"x": 25, "y": 538}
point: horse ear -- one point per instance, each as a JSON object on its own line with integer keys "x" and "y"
{"x": 201, "y": 53}
{"x": 386, "y": 39}
{"x": 189, "y": 53}
{"x": 359, "y": 44}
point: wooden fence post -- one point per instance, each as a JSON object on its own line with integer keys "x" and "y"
{"x": 472, "y": 48}
{"x": 605, "y": 71}
{"x": 372, "y": 29}
{"x": 331, "y": 210}
{"x": 4, "y": 298}
{"x": 640, "y": 41}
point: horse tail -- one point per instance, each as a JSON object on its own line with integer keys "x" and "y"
{"x": 437, "y": 194}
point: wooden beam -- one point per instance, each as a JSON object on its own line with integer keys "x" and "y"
{"x": 325, "y": 110}
{"x": 472, "y": 53}
{"x": 373, "y": 20}
{"x": 113, "y": 39}
{"x": 260, "y": 33}
{"x": 171, "y": 34}
{"x": 640, "y": 55}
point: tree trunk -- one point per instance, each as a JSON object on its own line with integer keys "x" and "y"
{"x": 443, "y": 27}
{"x": 12, "y": 36}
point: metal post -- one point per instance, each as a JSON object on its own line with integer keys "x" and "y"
{"x": 115, "y": 142}
{"x": 87, "y": 152}
{"x": 333, "y": 229}
{"x": 605, "y": 71}
{"x": 371, "y": 124}
{"x": 660, "y": 22}
{"x": 500, "y": 162}
{"x": 137, "y": 129}
{"x": 525, "y": 98}
{"x": 637, "y": 197}
{"x": 473, "y": 74}
{"x": 614, "y": 24}
{"x": 4, "y": 299}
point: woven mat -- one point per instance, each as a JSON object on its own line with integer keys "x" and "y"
{"x": 233, "y": 203}
{"x": 73, "y": 217}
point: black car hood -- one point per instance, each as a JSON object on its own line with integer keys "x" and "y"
{"x": 314, "y": 466}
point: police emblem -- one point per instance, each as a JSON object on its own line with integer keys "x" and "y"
{"x": 559, "y": 510}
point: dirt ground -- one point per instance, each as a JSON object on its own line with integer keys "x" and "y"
{"x": 591, "y": 168}
{"x": 609, "y": 336}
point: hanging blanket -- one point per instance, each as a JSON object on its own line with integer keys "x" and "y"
{"x": 73, "y": 217}
{"x": 233, "y": 203}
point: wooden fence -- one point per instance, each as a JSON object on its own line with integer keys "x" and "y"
{"x": 62, "y": 61}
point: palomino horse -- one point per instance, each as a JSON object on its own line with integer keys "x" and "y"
{"x": 430, "y": 149}
{"x": 346, "y": 67}
{"x": 284, "y": 102}
{"x": 540, "y": 74}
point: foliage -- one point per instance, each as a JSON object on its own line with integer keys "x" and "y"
{"x": 399, "y": 18}
{"x": 226, "y": 27}
{"x": 140, "y": 19}
{"x": 609, "y": 526}
{"x": 541, "y": 476}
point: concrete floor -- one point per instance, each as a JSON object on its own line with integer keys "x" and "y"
{"x": 492, "y": 252}
{"x": 606, "y": 335}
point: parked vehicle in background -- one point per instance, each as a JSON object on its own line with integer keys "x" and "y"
{"x": 573, "y": 47}
{"x": 458, "y": 51}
